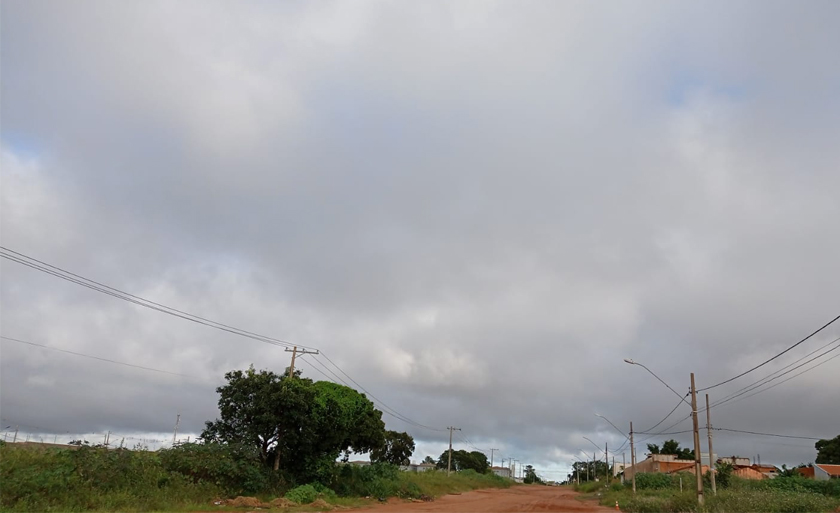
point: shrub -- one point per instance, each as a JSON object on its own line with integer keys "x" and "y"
{"x": 237, "y": 469}
{"x": 656, "y": 481}
{"x": 304, "y": 494}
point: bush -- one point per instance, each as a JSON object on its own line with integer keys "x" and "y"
{"x": 237, "y": 469}
{"x": 304, "y": 494}
{"x": 656, "y": 481}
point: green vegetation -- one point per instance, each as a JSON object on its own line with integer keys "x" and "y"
{"x": 463, "y": 460}
{"x": 192, "y": 477}
{"x": 277, "y": 438}
{"x": 828, "y": 451}
{"x": 661, "y": 493}
{"x": 672, "y": 447}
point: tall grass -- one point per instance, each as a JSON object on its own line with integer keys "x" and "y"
{"x": 779, "y": 495}
{"x": 190, "y": 477}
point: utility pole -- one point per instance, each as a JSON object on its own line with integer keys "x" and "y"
{"x": 698, "y": 464}
{"x": 607, "y": 461}
{"x": 449, "y": 464}
{"x": 175, "y": 434}
{"x": 16, "y": 432}
{"x": 491, "y": 457}
{"x": 632, "y": 458}
{"x": 711, "y": 451}
{"x": 294, "y": 352}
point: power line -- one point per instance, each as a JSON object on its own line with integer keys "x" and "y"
{"x": 771, "y": 359}
{"x": 98, "y": 358}
{"x": 751, "y": 388}
{"x": 664, "y": 419}
{"x": 790, "y": 378}
{"x": 64, "y": 274}
{"x": 767, "y": 434}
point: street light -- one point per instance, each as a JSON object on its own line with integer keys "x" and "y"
{"x": 593, "y": 443}
{"x": 631, "y": 362}
{"x": 613, "y": 425}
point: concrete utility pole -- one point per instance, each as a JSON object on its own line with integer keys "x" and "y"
{"x": 698, "y": 464}
{"x": 623, "y": 467}
{"x": 711, "y": 451}
{"x": 175, "y": 434}
{"x": 294, "y": 352}
{"x": 449, "y": 464}
{"x": 491, "y": 457}
{"x": 607, "y": 461}
{"x": 632, "y": 458}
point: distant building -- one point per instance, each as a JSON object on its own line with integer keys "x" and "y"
{"x": 662, "y": 463}
{"x": 418, "y": 467}
{"x": 824, "y": 471}
{"x": 806, "y": 472}
{"x": 767, "y": 470}
{"x": 501, "y": 471}
{"x": 748, "y": 473}
{"x": 735, "y": 461}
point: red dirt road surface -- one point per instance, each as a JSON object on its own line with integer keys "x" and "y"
{"x": 494, "y": 500}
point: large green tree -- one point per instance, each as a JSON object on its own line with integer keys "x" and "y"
{"x": 297, "y": 425}
{"x": 396, "y": 449}
{"x": 463, "y": 460}
{"x": 672, "y": 447}
{"x": 531, "y": 476}
{"x": 828, "y": 451}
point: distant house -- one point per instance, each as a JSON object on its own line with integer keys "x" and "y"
{"x": 767, "y": 470}
{"x": 748, "y": 473}
{"x": 806, "y": 472}
{"x": 735, "y": 461}
{"x": 418, "y": 467}
{"x": 501, "y": 471}
{"x": 662, "y": 463}
{"x": 824, "y": 471}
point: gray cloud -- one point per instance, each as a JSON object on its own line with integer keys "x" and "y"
{"x": 477, "y": 210}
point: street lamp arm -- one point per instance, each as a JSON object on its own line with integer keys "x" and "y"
{"x": 593, "y": 443}
{"x": 631, "y": 362}
{"x": 613, "y": 425}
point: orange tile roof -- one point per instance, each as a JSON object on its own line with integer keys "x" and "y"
{"x": 832, "y": 470}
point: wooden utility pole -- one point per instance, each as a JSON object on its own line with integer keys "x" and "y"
{"x": 491, "y": 457}
{"x": 449, "y": 464}
{"x": 632, "y": 458}
{"x": 294, "y": 352}
{"x": 711, "y": 451}
{"x": 623, "y": 467}
{"x": 698, "y": 463}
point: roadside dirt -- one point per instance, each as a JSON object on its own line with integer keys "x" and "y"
{"x": 518, "y": 498}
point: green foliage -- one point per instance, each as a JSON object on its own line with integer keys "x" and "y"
{"x": 828, "y": 451}
{"x": 237, "y": 469}
{"x": 87, "y": 478}
{"x": 595, "y": 469}
{"x": 298, "y": 425}
{"x": 654, "y": 481}
{"x": 672, "y": 447}
{"x": 531, "y": 476}
{"x": 304, "y": 494}
{"x": 396, "y": 449}
{"x": 772, "y": 495}
{"x": 463, "y": 460}
{"x": 724, "y": 474}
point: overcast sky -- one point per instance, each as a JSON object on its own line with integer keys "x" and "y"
{"x": 476, "y": 209}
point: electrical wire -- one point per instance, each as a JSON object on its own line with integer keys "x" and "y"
{"x": 765, "y": 381}
{"x": 99, "y": 358}
{"x": 767, "y": 434}
{"x": 772, "y": 358}
{"x": 64, "y": 274}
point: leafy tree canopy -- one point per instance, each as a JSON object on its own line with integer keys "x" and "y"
{"x": 828, "y": 451}
{"x": 531, "y": 476}
{"x": 672, "y": 447}
{"x": 396, "y": 450}
{"x": 297, "y": 425}
{"x": 463, "y": 460}
{"x": 429, "y": 459}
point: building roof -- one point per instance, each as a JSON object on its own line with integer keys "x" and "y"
{"x": 765, "y": 468}
{"x": 749, "y": 473}
{"x": 832, "y": 470}
{"x": 806, "y": 471}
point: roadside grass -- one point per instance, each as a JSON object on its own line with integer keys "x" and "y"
{"x": 779, "y": 495}
{"x": 191, "y": 479}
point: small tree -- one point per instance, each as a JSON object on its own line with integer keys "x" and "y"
{"x": 828, "y": 451}
{"x": 396, "y": 449}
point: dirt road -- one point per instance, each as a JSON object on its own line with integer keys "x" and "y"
{"x": 518, "y": 498}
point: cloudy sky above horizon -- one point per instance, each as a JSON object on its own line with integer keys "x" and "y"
{"x": 476, "y": 209}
